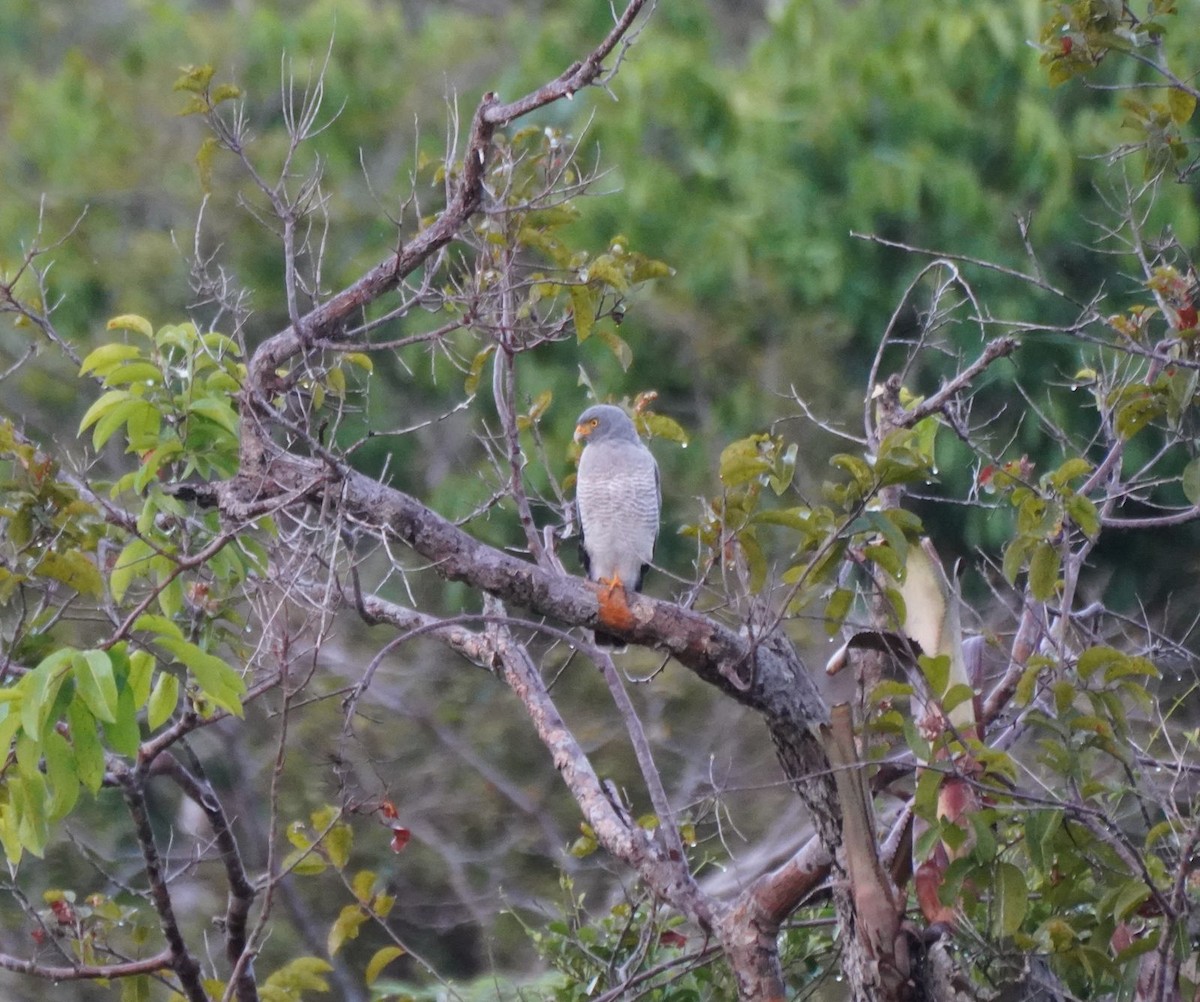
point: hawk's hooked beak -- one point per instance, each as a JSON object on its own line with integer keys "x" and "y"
{"x": 582, "y": 431}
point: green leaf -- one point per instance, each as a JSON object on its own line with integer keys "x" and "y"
{"x": 39, "y": 690}
{"x": 132, "y": 322}
{"x": 1043, "y": 572}
{"x": 661, "y": 426}
{"x": 170, "y": 596}
{"x": 123, "y": 733}
{"x": 89, "y": 753}
{"x": 304, "y": 863}
{"x": 743, "y": 461}
{"x": 618, "y": 346}
{"x": 925, "y": 797}
{"x": 1128, "y": 899}
{"x": 153, "y": 461}
{"x": 134, "y": 372}
{"x": 1191, "y": 482}
{"x": 1074, "y": 467}
{"x": 136, "y": 989}
{"x": 645, "y": 268}
{"x": 95, "y": 684}
{"x": 1026, "y": 684}
{"x": 476, "y": 371}
{"x": 886, "y": 559}
{"x": 217, "y": 680}
{"x": 102, "y": 406}
{"x": 132, "y": 562}
{"x": 837, "y": 608}
{"x": 1182, "y": 105}
{"x": 363, "y": 885}
{"x": 1040, "y": 829}
{"x": 163, "y": 700}
{"x": 137, "y": 414}
{"x": 108, "y": 357}
{"x": 193, "y": 79}
{"x": 1082, "y": 512}
{"x": 1011, "y": 899}
{"x": 218, "y": 411}
{"x": 225, "y": 92}
{"x": 583, "y": 309}
{"x": 10, "y": 723}
{"x": 62, "y": 774}
{"x": 31, "y": 798}
{"x": 141, "y": 672}
{"x": 1096, "y": 658}
{"x": 957, "y": 695}
{"x": 346, "y": 926}
{"x": 583, "y": 847}
{"x": 380, "y": 960}
{"x": 338, "y": 844}
{"x": 300, "y": 975}
{"x": 75, "y": 570}
{"x": 936, "y": 671}
{"x": 158, "y": 624}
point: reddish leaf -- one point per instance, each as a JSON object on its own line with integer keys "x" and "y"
{"x": 400, "y": 837}
{"x": 672, "y": 938}
{"x": 388, "y": 810}
{"x": 63, "y": 911}
{"x": 928, "y": 879}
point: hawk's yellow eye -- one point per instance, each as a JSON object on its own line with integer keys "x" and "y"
{"x": 593, "y": 422}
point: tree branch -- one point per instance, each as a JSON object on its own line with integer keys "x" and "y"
{"x": 182, "y": 962}
{"x": 241, "y": 891}
{"x": 90, "y": 972}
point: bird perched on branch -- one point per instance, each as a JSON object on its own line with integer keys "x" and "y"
{"x": 617, "y": 493}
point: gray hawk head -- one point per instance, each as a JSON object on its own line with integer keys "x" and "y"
{"x": 605, "y": 423}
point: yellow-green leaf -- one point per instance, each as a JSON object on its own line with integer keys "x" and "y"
{"x": 303, "y": 863}
{"x": 132, "y": 322}
{"x": 217, "y": 680}
{"x": 363, "y": 885}
{"x": 107, "y": 357}
{"x": 300, "y": 975}
{"x": 380, "y": 960}
{"x": 163, "y": 700}
{"x": 39, "y": 690}
{"x": 216, "y": 410}
{"x": 132, "y": 562}
{"x": 1043, "y": 572}
{"x": 346, "y": 926}
{"x": 338, "y": 843}
{"x": 141, "y": 671}
{"x": 95, "y": 684}
{"x": 102, "y": 406}
{"x": 1182, "y": 105}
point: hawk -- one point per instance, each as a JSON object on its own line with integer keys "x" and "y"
{"x": 618, "y": 497}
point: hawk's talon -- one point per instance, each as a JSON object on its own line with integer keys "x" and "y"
{"x": 611, "y": 585}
